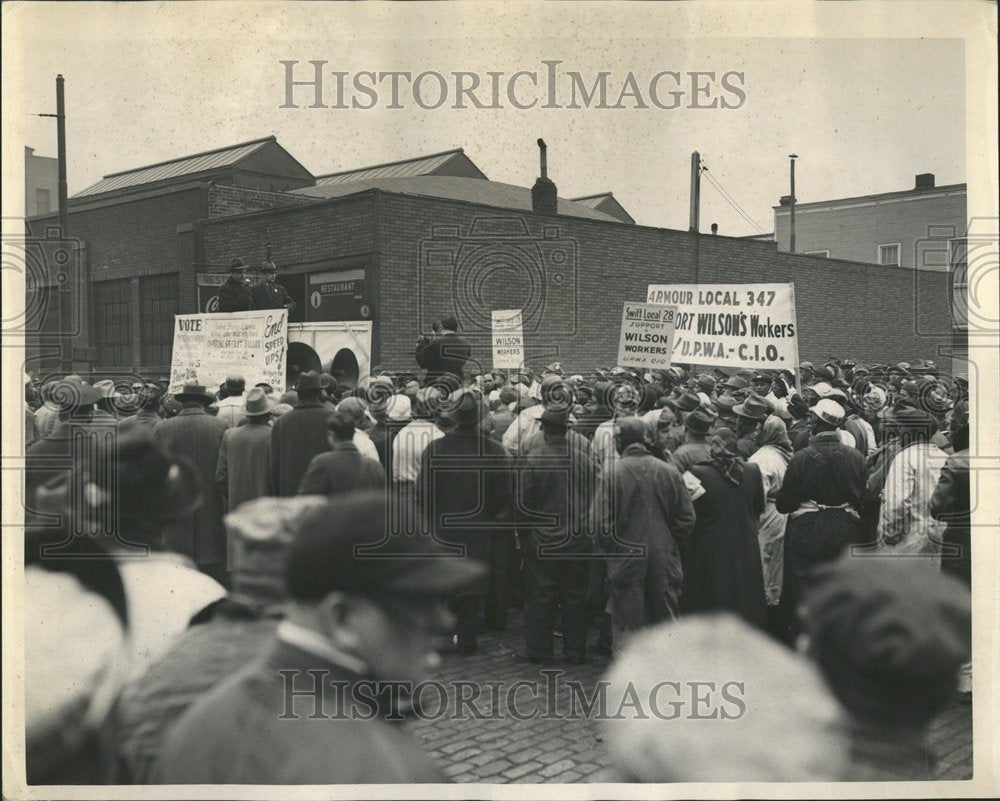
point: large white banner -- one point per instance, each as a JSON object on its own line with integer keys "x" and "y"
{"x": 209, "y": 347}
{"x": 508, "y": 339}
{"x": 647, "y": 335}
{"x": 732, "y": 325}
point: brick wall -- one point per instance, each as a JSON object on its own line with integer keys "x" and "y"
{"x": 226, "y": 200}
{"x": 846, "y": 309}
{"x": 430, "y": 257}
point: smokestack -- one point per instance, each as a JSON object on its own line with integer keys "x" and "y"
{"x": 543, "y": 193}
{"x": 694, "y": 223}
{"x": 715, "y": 228}
{"x": 791, "y": 203}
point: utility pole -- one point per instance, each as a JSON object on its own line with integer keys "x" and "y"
{"x": 791, "y": 163}
{"x": 60, "y": 115}
{"x": 693, "y": 225}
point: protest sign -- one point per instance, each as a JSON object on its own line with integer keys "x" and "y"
{"x": 733, "y": 325}
{"x": 508, "y": 339}
{"x": 208, "y": 347}
{"x": 647, "y": 335}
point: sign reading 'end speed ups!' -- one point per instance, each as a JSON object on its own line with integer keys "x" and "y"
{"x": 647, "y": 335}
{"x": 732, "y": 325}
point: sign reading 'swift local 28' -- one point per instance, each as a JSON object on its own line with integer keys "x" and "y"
{"x": 209, "y": 347}
{"x": 732, "y": 325}
{"x": 647, "y": 335}
{"x": 508, "y": 339}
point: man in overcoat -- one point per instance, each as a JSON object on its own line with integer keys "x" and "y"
{"x": 196, "y": 434}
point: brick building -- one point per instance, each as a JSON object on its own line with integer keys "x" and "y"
{"x": 41, "y": 183}
{"x": 922, "y": 228}
{"x": 401, "y": 245}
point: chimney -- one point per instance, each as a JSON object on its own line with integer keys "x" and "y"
{"x": 925, "y": 180}
{"x": 543, "y": 193}
{"x": 785, "y": 200}
{"x": 715, "y": 229}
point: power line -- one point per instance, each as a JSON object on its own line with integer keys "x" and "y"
{"x": 731, "y": 200}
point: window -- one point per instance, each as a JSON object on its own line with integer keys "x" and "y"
{"x": 821, "y": 253}
{"x": 158, "y": 305}
{"x": 889, "y": 254}
{"x": 43, "y": 202}
{"x": 113, "y": 323}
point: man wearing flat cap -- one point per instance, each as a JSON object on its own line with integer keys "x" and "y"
{"x": 324, "y": 703}
{"x": 235, "y": 294}
{"x": 822, "y": 494}
{"x": 889, "y": 637}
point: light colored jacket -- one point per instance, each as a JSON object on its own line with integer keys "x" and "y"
{"x": 906, "y": 526}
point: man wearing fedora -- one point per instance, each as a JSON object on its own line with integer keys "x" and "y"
{"x": 235, "y": 294}
{"x": 556, "y": 481}
{"x": 695, "y": 448}
{"x": 463, "y": 491}
{"x": 751, "y": 414}
{"x": 298, "y": 436}
{"x": 50, "y": 457}
{"x": 269, "y": 294}
{"x": 243, "y": 471}
{"x": 197, "y": 435}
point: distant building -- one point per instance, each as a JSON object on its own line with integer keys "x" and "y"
{"x": 922, "y": 228}
{"x": 375, "y": 254}
{"x": 41, "y": 183}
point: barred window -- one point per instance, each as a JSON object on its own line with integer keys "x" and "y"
{"x": 158, "y": 302}
{"x": 113, "y": 323}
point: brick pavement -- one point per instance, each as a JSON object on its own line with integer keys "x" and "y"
{"x": 498, "y": 747}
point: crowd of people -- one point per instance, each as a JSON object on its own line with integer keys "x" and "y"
{"x": 628, "y": 513}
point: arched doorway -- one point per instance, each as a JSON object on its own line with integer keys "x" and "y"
{"x": 344, "y": 367}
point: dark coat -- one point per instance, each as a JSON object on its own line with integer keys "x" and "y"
{"x": 446, "y": 354}
{"x": 194, "y": 433}
{"x": 950, "y": 503}
{"x": 48, "y": 458}
{"x": 643, "y": 518}
{"x": 243, "y": 471}
{"x": 341, "y": 470}
{"x": 724, "y": 571}
{"x": 235, "y": 296}
{"x": 268, "y": 295}
{"x": 463, "y": 490}
{"x": 242, "y": 732}
{"x": 556, "y": 482}
{"x": 296, "y": 438}
{"x": 830, "y": 473}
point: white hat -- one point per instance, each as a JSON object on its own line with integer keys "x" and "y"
{"x": 829, "y": 411}
{"x": 398, "y": 408}
{"x": 822, "y": 389}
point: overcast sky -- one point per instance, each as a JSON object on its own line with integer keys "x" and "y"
{"x": 147, "y": 82}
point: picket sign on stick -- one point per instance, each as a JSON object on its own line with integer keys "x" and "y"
{"x": 733, "y": 325}
{"x": 508, "y": 339}
{"x": 647, "y": 335}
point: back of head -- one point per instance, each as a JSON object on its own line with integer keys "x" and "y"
{"x": 889, "y": 635}
{"x": 715, "y": 706}
{"x": 341, "y": 426}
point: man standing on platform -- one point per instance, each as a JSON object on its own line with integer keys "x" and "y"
{"x": 446, "y": 354}
{"x": 234, "y": 294}
{"x": 269, "y": 294}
